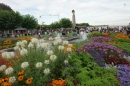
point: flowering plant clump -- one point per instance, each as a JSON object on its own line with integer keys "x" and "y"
{"x": 99, "y": 50}
{"x": 124, "y": 74}
{"x": 39, "y": 62}
{"x": 58, "y": 82}
{"x": 100, "y": 39}
{"x": 122, "y": 36}
{"x": 105, "y": 34}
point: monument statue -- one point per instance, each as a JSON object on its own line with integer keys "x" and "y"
{"x": 73, "y": 19}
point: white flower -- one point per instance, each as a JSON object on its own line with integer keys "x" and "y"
{"x": 4, "y": 54}
{"x": 65, "y": 42}
{"x": 69, "y": 50}
{"x": 16, "y": 48}
{"x": 30, "y": 45}
{"x": 70, "y": 45}
{"x": 49, "y": 52}
{"x": 12, "y": 54}
{"x": 59, "y": 41}
{"x": 19, "y": 43}
{"x": 46, "y": 71}
{"x": 24, "y": 65}
{"x": 46, "y": 61}
{"x": 44, "y": 45}
{"x": 8, "y": 56}
{"x": 34, "y": 40}
{"x": 50, "y": 38}
{"x": 38, "y": 65}
{"x": 24, "y": 42}
{"x": 53, "y": 57}
{"x": 66, "y": 61}
{"x": 55, "y": 42}
{"x": 2, "y": 67}
{"x": 22, "y": 45}
{"x": 9, "y": 70}
{"x": 41, "y": 40}
{"x": 61, "y": 47}
{"x": 23, "y": 51}
{"x": 12, "y": 79}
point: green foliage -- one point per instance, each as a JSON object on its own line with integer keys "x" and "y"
{"x": 5, "y": 7}
{"x": 82, "y": 24}
{"x": 122, "y": 40}
{"x": 123, "y": 46}
{"x": 69, "y": 35}
{"x": 79, "y": 44}
{"x": 88, "y": 73}
{"x": 46, "y": 36}
{"x": 55, "y": 25}
{"x": 29, "y": 22}
{"x": 94, "y": 33}
{"x": 9, "y": 20}
{"x": 65, "y": 23}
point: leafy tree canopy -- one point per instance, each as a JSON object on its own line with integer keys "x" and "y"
{"x": 9, "y": 20}
{"x": 82, "y": 24}
{"x": 65, "y": 23}
{"x": 5, "y": 7}
{"x": 29, "y": 22}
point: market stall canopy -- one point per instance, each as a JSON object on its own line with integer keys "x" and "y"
{"x": 20, "y": 28}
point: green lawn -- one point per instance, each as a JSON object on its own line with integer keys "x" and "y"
{"x": 5, "y": 38}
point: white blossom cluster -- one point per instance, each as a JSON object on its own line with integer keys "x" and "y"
{"x": 9, "y": 70}
{"x": 8, "y": 55}
{"x": 2, "y": 67}
{"x": 24, "y": 65}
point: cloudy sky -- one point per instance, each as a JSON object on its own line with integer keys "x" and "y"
{"x": 94, "y": 12}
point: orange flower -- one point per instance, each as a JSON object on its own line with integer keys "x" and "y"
{"x": 20, "y": 78}
{"x": 72, "y": 48}
{"x": 6, "y": 84}
{"x": 29, "y": 81}
{"x": 58, "y": 82}
{"x": 7, "y": 42}
{"x": 7, "y": 78}
{"x": 21, "y": 72}
{"x": 121, "y": 36}
{"x": 1, "y": 80}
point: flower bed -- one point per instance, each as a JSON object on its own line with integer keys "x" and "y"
{"x": 100, "y": 51}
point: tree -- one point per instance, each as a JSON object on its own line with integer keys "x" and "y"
{"x": 65, "y": 23}
{"x": 9, "y": 20}
{"x": 5, "y": 7}
{"x": 29, "y": 22}
{"x": 55, "y": 25}
{"x": 82, "y": 24}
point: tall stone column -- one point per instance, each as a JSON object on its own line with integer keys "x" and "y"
{"x": 73, "y": 19}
